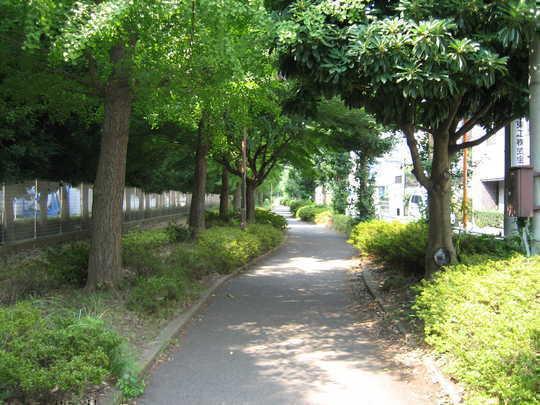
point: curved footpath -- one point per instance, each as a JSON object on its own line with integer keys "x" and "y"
{"x": 286, "y": 333}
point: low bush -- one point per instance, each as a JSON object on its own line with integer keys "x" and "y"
{"x": 46, "y": 359}
{"x": 228, "y": 247}
{"x": 486, "y": 317}
{"x": 488, "y": 218}
{"x": 152, "y": 294}
{"x": 308, "y": 212}
{"x": 403, "y": 245}
{"x": 212, "y": 218}
{"x": 267, "y": 217}
{"x": 400, "y": 245}
{"x": 295, "y": 205}
{"x": 268, "y": 235}
{"x": 178, "y": 233}
{"x": 325, "y": 217}
{"x": 343, "y": 223}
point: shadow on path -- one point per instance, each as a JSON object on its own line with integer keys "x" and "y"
{"x": 285, "y": 333}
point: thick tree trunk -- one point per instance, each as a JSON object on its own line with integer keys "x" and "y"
{"x": 105, "y": 262}
{"x": 250, "y": 201}
{"x": 196, "y": 211}
{"x": 224, "y": 194}
{"x": 440, "y": 242}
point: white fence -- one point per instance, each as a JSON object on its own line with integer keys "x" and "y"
{"x": 40, "y": 209}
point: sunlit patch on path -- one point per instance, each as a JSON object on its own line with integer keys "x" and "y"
{"x": 288, "y": 332}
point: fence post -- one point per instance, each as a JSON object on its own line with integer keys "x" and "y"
{"x": 35, "y": 207}
{"x": 3, "y": 217}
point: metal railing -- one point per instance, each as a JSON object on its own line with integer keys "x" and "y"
{"x": 40, "y": 209}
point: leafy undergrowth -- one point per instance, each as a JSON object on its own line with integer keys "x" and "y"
{"x": 57, "y": 341}
{"x": 486, "y": 318}
{"x": 482, "y": 315}
{"x": 403, "y": 246}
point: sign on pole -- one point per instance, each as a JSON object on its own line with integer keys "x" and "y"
{"x": 520, "y": 141}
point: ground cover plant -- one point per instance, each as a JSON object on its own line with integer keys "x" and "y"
{"x": 486, "y": 318}
{"x": 47, "y": 322}
{"x": 46, "y": 358}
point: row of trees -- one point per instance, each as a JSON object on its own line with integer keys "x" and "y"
{"x": 164, "y": 94}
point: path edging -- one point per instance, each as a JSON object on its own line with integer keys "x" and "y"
{"x": 447, "y": 386}
{"x": 114, "y": 397}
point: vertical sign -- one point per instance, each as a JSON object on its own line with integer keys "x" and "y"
{"x": 519, "y": 135}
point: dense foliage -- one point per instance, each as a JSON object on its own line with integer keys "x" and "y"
{"x": 488, "y": 218}
{"x": 45, "y": 359}
{"x": 486, "y": 318}
{"x": 310, "y": 211}
{"x": 403, "y": 245}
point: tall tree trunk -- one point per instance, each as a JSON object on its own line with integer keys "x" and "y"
{"x": 237, "y": 198}
{"x": 250, "y": 201}
{"x": 105, "y": 262}
{"x": 440, "y": 229}
{"x": 224, "y": 195}
{"x": 196, "y": 211}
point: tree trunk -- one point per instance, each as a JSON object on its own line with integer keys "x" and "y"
{"x": 105, "y": 262}
{"x": 440, "y": 230}
{"x": 224, "y": 195}
{"x": 250, "y": 201}
{"x": 196, "y": 211}
{"x": 237, "y": 198}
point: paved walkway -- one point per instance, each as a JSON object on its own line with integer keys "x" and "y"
{"x": 284, "y": 333}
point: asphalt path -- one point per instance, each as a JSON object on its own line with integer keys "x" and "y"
{"x": 284, "y": 333}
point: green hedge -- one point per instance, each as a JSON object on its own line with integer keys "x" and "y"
{"x": 309, "y": 212}
{"x": 46, "y": 359}
{"x": 489, "y": 218}
{"x": 486, "y": 317}
{"x": 267, "y": 217}
{"x": 295, "y": 205}
{"x": 403, "y": 245}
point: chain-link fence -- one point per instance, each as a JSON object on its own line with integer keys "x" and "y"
{"x": 40, "y": 209}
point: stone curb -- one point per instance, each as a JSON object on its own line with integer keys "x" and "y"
{"x": 114, "y": 397}
{"x": 447, "y": 386}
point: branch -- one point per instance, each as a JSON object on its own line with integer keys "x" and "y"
{"x": 418, "y": 169}
{"x": 471, "y": 122}
{"x": 465, "y": 145}
{"x": 453, "y": 112}
{"x": 224, "y": 162}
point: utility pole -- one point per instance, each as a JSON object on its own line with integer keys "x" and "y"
{"x": 465, "y": 202}
{"x": 243, "y": 214}
{"x": 534, "y": 131}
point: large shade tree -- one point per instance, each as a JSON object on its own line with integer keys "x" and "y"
{"x": 440, "y": 68}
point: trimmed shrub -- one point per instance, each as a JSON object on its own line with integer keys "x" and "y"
{"x": 268, "y": 235}
{"x": 400, "y": 245}
{"x": 48, "y": 359}
{"x": 228, "y": 247}
{"x": 489, "y": 218}
{"x": 324, "y": 217}
{"x": 263, "y": 216}
{"x": 486, "y": 317}
{"x": 308, "y": 212}
{"x": 403, "y": 245}
{"x": 295, "y": 205}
